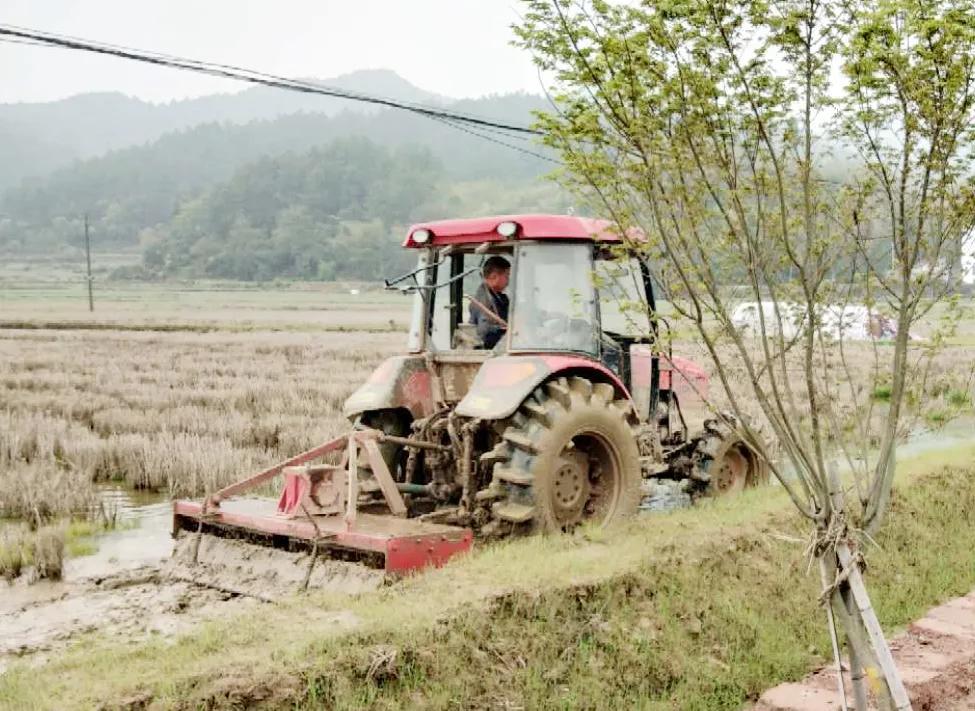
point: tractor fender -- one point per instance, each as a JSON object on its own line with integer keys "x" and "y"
{"x": 503, "y": 383}
{"x": 400, "y": 382}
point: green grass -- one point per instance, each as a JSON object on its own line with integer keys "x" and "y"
{"x": 79, "y": 538}
{"x": 882, "y": 393}
{"x": 43, "y": 550}
{"x": 15, "y": 555}
{"x": 959, "y": 399}
{"x": 702, "y": 609}
{"x": 937, "y": 417}
{"x": 75, "y": 538}
{"x": 81, "y": 535}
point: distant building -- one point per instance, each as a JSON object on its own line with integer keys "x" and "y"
{"x": 851, "y": 322}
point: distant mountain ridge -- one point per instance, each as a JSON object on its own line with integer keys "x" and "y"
{"x": 36, "y": 138}
{"x": 168, "y": 192}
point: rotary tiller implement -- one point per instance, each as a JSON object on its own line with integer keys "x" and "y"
{"x": 318, "y": 511}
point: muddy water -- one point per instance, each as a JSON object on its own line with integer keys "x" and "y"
{"x": 927, "y": 441}
{"x": 133, "y": 588}
{"x": 923, "y": 440}
{"x": 142, "y": 537}
{"x": 118, "y": 591}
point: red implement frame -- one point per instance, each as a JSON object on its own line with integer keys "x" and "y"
{"x": 404, "y": 544}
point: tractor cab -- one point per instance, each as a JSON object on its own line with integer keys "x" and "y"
{"x": 572, "y": 294}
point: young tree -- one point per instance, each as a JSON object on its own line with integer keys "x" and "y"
{"x": 806, "y": 159}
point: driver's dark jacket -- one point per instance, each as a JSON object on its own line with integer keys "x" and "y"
{"x": 489, "y": 330}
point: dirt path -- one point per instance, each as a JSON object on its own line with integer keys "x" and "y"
{"x": 967, "y": 704}
{"x": 936, "y": 656}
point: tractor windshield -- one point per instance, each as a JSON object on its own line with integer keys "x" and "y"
{"x": 554, "y": 299}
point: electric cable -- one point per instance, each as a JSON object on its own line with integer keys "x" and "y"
{"x": 472, "y": 132}
{"x": 22, "y": 35}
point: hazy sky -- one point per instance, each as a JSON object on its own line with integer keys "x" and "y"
{"x": 453, "y": 47}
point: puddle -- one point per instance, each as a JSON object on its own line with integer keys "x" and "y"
{"x": 141, "y": 541}
{"x": 118, "y": 591}
{"x": 143, "y": 537}
{"x": 921, "y": 441}
{"x": 925, "y": 440}
{"x": 126, "y": 590}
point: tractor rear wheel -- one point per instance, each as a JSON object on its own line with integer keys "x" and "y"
{"x": 571, "y": 457}
{"x": 729, "y": 464}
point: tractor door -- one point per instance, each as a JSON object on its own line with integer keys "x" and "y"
{"x": 446, "y": 302}
{"x": 457, "y": 280}
{"x": 554, "y": 300}
{"x": 456, "y": 350}
{"x": 628, "y": 334}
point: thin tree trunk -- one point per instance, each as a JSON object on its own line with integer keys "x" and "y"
{"x": 863, "y": 628}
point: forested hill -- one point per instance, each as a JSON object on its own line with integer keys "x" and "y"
{"x": 336, "y": 211}
{"x": 34, "y": 138}
{"x": 136, "y": 196}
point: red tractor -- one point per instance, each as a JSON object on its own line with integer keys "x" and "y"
{"x": 572, "y": 417}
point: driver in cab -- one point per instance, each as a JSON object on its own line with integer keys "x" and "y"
{"x": 489, "y": 307}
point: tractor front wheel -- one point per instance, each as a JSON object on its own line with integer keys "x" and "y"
{"x": 571, "y": 458}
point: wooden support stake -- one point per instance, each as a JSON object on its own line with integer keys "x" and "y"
{"x": 834, "y": 641}
{"x": 875, "y": 633}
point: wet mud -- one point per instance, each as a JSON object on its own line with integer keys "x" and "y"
{"x": 141, "y": 585}
{"x": 263, "y": 573}
{"x": 37, "y": 621}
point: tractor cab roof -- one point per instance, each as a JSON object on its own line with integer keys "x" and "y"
{"x": 502, "y": 228}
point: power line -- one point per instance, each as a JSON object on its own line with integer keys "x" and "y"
{"x": 472, "y": 132}
{"x": 24, "y": 35}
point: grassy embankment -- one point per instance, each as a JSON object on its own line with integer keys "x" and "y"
{"x": 698, "y": 610}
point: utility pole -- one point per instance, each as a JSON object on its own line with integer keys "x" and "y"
{"x": 91, "y": 298}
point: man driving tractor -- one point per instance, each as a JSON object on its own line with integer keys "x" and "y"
{"x": 489, "y": 305}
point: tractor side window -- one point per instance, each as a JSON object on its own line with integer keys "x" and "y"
{"x": 554, "y": 299}
{"x": 622, "y": 298}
